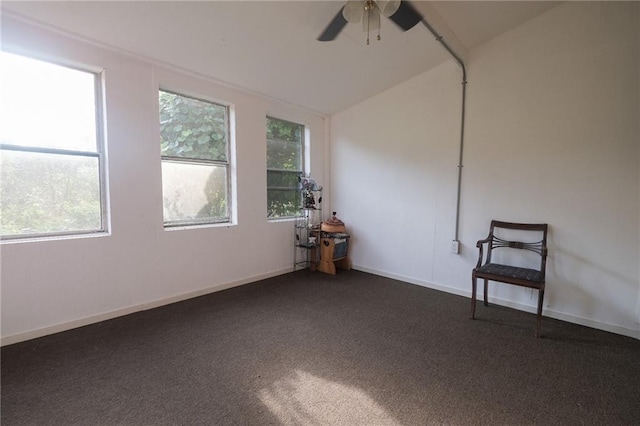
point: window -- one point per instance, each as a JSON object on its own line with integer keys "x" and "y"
{"x": 51, "y": 154}
{"x": 195, "y": 160}
{"x": 285, "y": 144}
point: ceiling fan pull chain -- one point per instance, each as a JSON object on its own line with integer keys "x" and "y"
{"x": 378, "y": 11}
{"x": 367, "y": 10}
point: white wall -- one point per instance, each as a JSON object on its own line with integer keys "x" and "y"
{"x": 552, "y": 136}
{"x": 49, "y": 286}
{"x": 393, "y": 164}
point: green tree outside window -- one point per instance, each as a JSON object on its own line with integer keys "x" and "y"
{"x": 285, "y": 144}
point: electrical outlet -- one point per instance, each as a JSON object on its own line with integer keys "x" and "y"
{"x": 455, "y": 246}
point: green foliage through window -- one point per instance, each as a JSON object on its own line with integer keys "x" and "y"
{"x": 191, "y": 128}
{"x": 47, "y": 193}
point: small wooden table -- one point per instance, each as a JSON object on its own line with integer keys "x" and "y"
{"x": 334, "y": 252}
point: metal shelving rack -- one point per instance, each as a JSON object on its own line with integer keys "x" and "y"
{"x": 306, "y": 236}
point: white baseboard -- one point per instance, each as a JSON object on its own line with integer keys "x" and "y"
{"x": 411, "y": 280}
{"x": 33, "y": 334}
{"x": 613, "y": 328}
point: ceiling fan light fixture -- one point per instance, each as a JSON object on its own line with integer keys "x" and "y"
{"x": 369, "y": 12}
{"x": 353, "y": 11}
{"x": 388, "y": 7}
{"x": 399, "y": 11}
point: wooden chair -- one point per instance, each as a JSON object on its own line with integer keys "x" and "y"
{"x": 489, "y": 271}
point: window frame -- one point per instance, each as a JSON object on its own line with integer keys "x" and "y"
{"x": 303, "y": 163}
{"x": 190, "y": 223}
{"x": 100, "y": 154}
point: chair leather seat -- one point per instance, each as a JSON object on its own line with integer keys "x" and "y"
{"x": 510, "y": 271}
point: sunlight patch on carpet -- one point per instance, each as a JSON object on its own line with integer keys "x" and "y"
{"x": 304, "y": 398}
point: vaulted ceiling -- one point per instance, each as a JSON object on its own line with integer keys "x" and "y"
{"x": 270, "y": 47}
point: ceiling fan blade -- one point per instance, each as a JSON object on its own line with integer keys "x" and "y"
{"x": 334, "y": 27}
{"x": 406, "y": 17}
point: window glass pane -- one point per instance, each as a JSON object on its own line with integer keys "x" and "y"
{"x": 194, "y": 192}
{"x": 283, "y": 155}
{"x": 191, "y": 128}
{"x": 48, "y": 193}
{"x": 284, "y": 166}
{"x": 284, "y": 130}
{"x": 283, "y": 203}
{"x": 284, "y": 144}
{"x": 277, "y": 179}
{"x": 46, "y": 105}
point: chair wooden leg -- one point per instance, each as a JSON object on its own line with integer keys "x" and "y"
{"x": 539, "y": 316}
{"x": 473, "y": 297}
{"x": 486, "y": 290}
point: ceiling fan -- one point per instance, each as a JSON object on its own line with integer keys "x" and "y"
{"x": 401, "y": 12}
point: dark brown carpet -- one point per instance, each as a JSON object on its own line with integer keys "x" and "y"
{"x": 313, "y": 349}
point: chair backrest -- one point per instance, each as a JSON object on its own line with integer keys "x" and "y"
{"x": 539, "y": 247}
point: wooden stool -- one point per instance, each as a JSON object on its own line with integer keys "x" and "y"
{"x": 334, "y": 252}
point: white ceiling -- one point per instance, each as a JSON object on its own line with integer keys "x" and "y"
{"x": 270, "y": 47}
